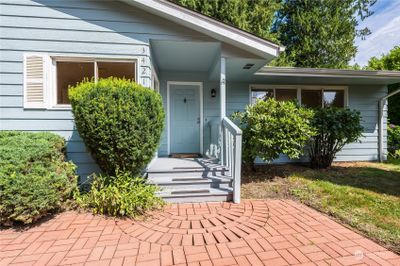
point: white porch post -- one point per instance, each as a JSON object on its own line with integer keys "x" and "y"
{"x": 222, "y": 92}
{"x": 222, "y": 86}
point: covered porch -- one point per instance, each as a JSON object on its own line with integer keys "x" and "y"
{"x": 192, "y": 78}
{"x": 192, "y": 82}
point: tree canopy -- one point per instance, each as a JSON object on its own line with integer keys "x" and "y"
{"x": 320, "y": 33}
{"x": 389, "y": 61}
{"x": 255, "y": 16}
{"x": 316, "y": 33}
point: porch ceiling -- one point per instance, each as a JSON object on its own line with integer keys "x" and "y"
{"x": 184, "y": 56}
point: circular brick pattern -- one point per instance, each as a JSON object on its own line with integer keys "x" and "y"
{"x": 200, "y": 223}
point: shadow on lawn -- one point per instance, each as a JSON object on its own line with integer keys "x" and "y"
{"x": 358, "y": 175}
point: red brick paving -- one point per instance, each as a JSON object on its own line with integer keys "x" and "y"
{"x": 270, "y": 232}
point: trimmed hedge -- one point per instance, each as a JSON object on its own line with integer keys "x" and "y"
{"x": 34, "y": 178}
{"x": 120, "y": 121}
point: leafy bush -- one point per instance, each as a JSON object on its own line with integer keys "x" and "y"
{"x": 335, "y": 127}
{"x": 120, "y": 121}
{"x": 271, "y": 128}
{"x": 394, "y": 141}
{"x": 120, "y": 195}
{"x": 34, "y": 178}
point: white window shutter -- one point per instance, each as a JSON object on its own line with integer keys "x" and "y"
{"x": 35, "y": 80}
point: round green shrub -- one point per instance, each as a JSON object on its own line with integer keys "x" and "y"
{"x": 335, "y": 127}
{"x": 271, "y": 128}
{"x": 120, "y": 122}
{"x": 34, "y": 178}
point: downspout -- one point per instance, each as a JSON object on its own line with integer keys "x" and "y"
{"x": 381, "y": 104}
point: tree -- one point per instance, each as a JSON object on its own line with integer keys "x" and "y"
{"x": 320, "y": 33}
{"x": 390, "y": 61}
{"x": 254, "y": 16}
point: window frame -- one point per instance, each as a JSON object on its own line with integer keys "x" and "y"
{"x": 260, "y": 87}
{"x": 52, "y": 82}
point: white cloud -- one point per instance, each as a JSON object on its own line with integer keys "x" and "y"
{"x": 385, "y": 27}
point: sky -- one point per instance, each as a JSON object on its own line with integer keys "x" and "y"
{"x": 385, "y": 27}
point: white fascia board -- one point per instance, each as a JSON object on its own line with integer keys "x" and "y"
{"x": 334, "y": 73}
{"x": 209, "y": 26}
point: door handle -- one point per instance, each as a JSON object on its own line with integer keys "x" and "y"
{"x": 198, "y": 120}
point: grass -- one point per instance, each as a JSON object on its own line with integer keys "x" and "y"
{"x": 364, "y": 195}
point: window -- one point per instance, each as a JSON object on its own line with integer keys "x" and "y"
{"x": 310, "y": 96}
{"x": 285, "y": 94}
{"x": 69, "y": 73}
{"x": 261, "y": 95}
{"x": 115, "y": 69}
{"x": 334, "y": 98}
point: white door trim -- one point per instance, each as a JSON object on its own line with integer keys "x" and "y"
{"x": 200, "y": 84}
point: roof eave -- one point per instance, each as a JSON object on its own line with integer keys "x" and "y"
{"x": 322, "y": 72}
{"x": 210, "y": 27}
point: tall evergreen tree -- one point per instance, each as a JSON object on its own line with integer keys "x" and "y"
{"x": 320, "y": 33}
{"x": 254, "y": 16}
{"x": 390, "y": 61}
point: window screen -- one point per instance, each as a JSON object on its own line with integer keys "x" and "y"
{"x": 69, "y": 74}
{"x": 285, "y": 94}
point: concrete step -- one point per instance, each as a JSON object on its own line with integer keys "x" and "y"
{"x": 196, "y": 195}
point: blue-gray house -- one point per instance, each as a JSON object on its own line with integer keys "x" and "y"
{"x": 204, "y": 70}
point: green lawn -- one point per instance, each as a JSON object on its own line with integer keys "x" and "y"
{"x": 363, "y": 195}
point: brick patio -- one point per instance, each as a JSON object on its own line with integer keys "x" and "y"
{"x": 271, "y": 232}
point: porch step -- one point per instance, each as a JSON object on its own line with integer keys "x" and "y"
{"x": 196, "y": 195}
{"x": 190, "y": 180}
{"x": 172, "y": 182}
{"x": 186, "y": 173}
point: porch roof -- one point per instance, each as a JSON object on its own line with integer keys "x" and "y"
{"x": 333, "y": 76}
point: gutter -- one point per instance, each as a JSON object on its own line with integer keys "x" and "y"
{"x": 381, "y": 105}
{"x": 326, "y": 72}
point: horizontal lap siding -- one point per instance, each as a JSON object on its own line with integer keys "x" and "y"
{"x": 78, "y": 28}
{"x": 363, "y": 98}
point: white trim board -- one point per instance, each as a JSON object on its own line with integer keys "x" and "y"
{"x": 326, "y": 72}
{"x": 200, "y": 86}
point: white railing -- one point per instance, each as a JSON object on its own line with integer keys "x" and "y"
{"x": 231, "y": 153}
